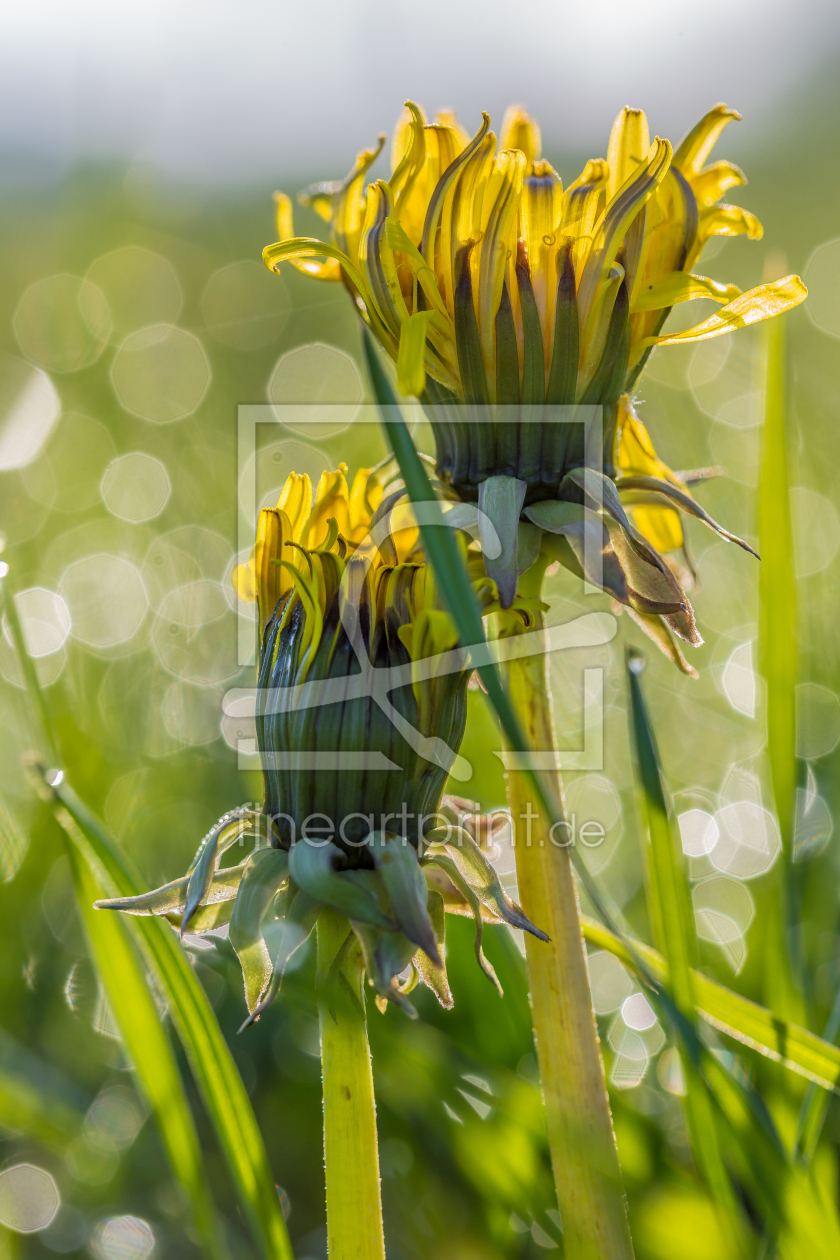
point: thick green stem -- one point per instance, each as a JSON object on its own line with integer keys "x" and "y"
{"x": 351, "y": 1149}
{"x": 581, "y": 1140}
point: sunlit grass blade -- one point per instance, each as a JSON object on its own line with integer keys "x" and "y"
{"x": 43, "y": 1117}
{"x": 144, "y": 1037}
{"x": 450, "y": 573}
{"x": 798, "y": 1049}
{"x": 778, "y": 659}
{"x": 210, "y": 1058}
{"x": 669, "y": 906}
{"x": 816, "y": 1102}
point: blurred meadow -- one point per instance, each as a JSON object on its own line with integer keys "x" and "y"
{"x": 135, "y": 318}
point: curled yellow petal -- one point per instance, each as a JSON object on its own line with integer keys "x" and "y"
{"x": 327, "y": 270}
{"x": 710, "y": 185}
{"x": 763, "y": 302}
{"x": 698, "y": 144}
{"x": 681, "y": 286}
{"x": 729, "y": 221}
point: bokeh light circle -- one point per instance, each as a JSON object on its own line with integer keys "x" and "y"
{"x": 191, "y": 715}
{"x": 29, "y": 1198}
{"x": 816, "y": 530}
{"x": 135, "y": 487}
{"x": 161, "y": 373}
{"x": 749, "y": 841}
{"x": 723, "y": 909}
{"x": 822, "y": 276}
{"x": 122, "y": 1238}
{"x": 106, "y": 598}
{"x": 66, "y": 477}
{"x": 44, "y": 619}
{"x": 29, "y": 409}
{"x": 316, "y": 390}
{"x": 62, "y": 323}
{"x": 185, "y": 555}
{"x": 141, "y": 288}
{"x": 817, "y": 721}
{"x": 698, "y": 832}
{"x": 245, "y": 306}
{"x": 609, "y": 982}
{"x": 193, "y": 635}
{"x": 265, "y": 473}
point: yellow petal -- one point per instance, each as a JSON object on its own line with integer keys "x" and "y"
{"x": 300, "y": 247}
{"x": 628, "y": 148}
{"x": 359, "y": 514}
{"x": 331, "y": 500}
{"x": 404, "y": 133}
{"x": 446, "y": 118}
{"x": 411, "y": 373}
{"x": 520, "y": 131}
{"x": 327, "y": 270}
{"x": 710, "y": 185}
{"x": 272, "y": 532}
{"x": 661, "y": 526}
{"x": 244, "y": 583}
{"x": 499, "y": 216}
{"x": 700, "y": 141}
{"x": 296, "y": 501}
{"x": 619, "y": 214}
{"x": 681, "y": 286}
{"x": 540, "y": 210}
{"x": 346, "y": 200}
{"x": 729, "y": 221}
{"x": 763, "y": 302}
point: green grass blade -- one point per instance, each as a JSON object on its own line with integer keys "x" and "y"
{"x": 816, "y": 1102}
{"x": 797, "y": 1048}
{"x": 778, "y": 658}
{"x": 210, "y": 1058}
{"x": 669, "y": 904}
{"x": 147, "y": 1045}
{"x": 451, "y": 574}
{"x": 25, "y": 1108}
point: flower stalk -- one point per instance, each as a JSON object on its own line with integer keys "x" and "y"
{"x": 351, "y": 1149}
{"x": 581, "y": 1140}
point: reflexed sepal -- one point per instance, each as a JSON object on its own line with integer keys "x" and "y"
{"x": 656, "y": 630}
{"x": 386, "y": 954}
{"x": 500, "y": 501}
{"x": 481, "y": 876}
{"x": 293, "y": 929}
{"x": 649, "y": 492}
{"x": 265, "y": 872}
{"x": 171, "y": 898}
{"x": 397, "y": 862}
{"x": 227, "y": 831}
{"x": 320, "y": 871}
{"x": 588, "y": 542}
{"x": 445, "y": 863}
{"x": 432, "y": 975}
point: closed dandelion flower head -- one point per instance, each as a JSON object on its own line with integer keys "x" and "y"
{"x": 489, "y": 283}
{"x": 361, "y": 708}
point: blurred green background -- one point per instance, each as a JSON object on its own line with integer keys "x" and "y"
{"x": 135, "y": 318}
